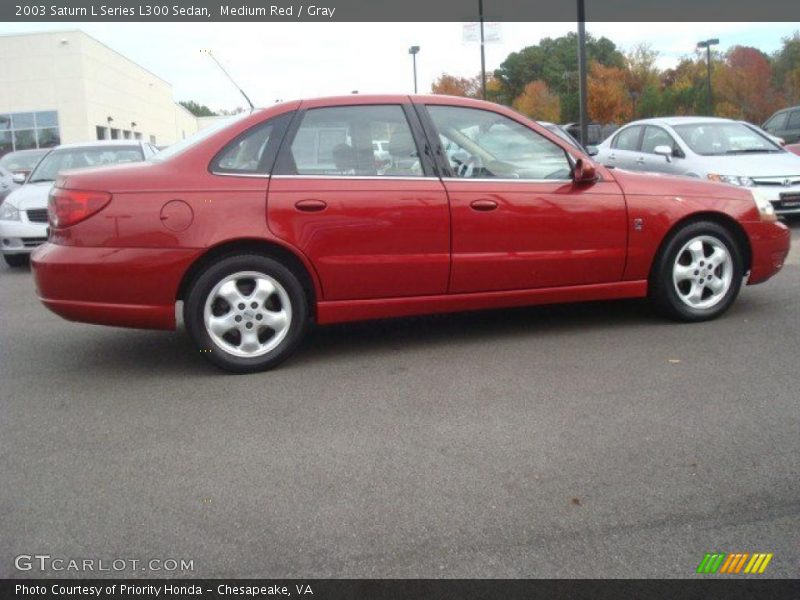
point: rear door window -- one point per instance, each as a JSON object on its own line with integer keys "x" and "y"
{"x": 353, "y": 141}
{"x": 628, "y": 139}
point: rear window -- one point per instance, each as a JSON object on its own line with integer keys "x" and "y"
{"x": 78, "y": 158}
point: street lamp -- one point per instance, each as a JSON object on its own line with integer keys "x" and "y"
{"x": 707, "y": 45}
{"x": 413, "y": 51}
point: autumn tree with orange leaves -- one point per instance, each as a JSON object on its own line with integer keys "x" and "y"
{"x": 538, "y": 102}
{"x": 451, "y": 85}
{"x": 608, "y": 97}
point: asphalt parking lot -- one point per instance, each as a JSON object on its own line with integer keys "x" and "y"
{"x": 592, "y": 440}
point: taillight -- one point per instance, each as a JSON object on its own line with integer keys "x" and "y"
{"x": 67, "y": 207}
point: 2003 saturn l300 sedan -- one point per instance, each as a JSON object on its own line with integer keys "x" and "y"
{"x": 284, "y": 216}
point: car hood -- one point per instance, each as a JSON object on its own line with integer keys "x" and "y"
{"x": 753, "y": 165}
{"x": 654, "y": 184}
{"x": 30, "y": 195}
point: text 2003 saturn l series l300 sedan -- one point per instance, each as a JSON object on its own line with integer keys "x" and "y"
{"x": 283, "y": 216}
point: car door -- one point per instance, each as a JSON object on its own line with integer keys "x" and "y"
{"x": 371, "y": 230}
{"x": 776, "y": 124}
{"x": 518, "y": 219}
{"x": 649, "y": 161}
{"x": 791, "y": 134}
{"x": 624, "y": 152}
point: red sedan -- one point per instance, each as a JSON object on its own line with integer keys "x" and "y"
{"x": 286, "y": 216}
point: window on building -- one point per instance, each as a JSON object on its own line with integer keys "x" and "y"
{"x": 114, "y": 134}
{"x": 26, "y": 130}
{"x": 126, "y": 134}
{"x": 102, "y": 132}
{"x": 153, "y": 140}
{"x": 137, "y": 135}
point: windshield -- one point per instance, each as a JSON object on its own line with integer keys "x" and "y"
{"x": 719, "y": 139}
{"x": 196, "y": 138}
{"x": 77, "y": 158}
{"x": 21, "y": 161}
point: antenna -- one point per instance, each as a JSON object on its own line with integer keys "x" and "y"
{"x": 241, "y": 91}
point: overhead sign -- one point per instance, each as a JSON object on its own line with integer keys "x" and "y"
{"x": 471, "y": 33}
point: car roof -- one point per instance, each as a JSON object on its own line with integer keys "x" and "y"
{"x": 672, "y": 121}
{"x": 100, "y": 144}
{"x": 29, "y": 151}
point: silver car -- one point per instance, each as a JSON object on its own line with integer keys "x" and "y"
{"x": 717, "y": 149}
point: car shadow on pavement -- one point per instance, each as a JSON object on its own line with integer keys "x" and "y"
{"x": 494, "y": 326}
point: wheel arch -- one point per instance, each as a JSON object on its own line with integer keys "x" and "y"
{"x": 722, "y": 219}
{"x": 289, "y": 257}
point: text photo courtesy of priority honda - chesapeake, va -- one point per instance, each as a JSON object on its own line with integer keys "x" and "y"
{"x": 474, "y": 299}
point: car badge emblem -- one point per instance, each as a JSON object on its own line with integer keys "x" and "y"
{"x": 787, "y": 182}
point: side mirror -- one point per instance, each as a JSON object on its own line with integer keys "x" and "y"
{"x": 583, "y": 172}
{"x": 592, "y": 150}
{"x": 19, "y": 178}
{"x": 664, "y": 151}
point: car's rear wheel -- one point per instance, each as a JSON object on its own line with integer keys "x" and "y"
{"x": 246, "y": 313}
{"x": 698, "y": 274}
{"x": 16, "y": 260}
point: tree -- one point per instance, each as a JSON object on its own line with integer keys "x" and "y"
{"x": 786, "y": 69}
{"x": 451, "y": 85}
{"x": 198, "y": 110}
{"x": 538, "y": 102}
{"x": 608, "y": 101}
{"x": 640, "y": 73}
{"x": 742, "y": 85}
{"x": 554, "y": 61}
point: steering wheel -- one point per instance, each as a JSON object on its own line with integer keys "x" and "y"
{"x": 466, "y": 168}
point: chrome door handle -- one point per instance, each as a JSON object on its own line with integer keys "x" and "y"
{"x": 640, "y": 161}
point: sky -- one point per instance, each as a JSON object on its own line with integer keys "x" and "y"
{"x": 283, "y": 61}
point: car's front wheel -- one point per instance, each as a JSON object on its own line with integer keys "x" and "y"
{"x": 698, "y": 274}
{"x": 246, "y": 313}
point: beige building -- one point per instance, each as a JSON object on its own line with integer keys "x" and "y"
{"x": 64, "y": 87}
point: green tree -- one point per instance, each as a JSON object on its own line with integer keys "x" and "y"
{"x": 786, "y": 69}
{"x": 554, "y": 61}
{"x": 198, "y": 110}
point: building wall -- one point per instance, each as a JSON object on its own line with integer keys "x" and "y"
{"x": 87, "y": 82}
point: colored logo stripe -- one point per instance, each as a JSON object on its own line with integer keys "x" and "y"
{"x": 734, "y": 563}
{"x": 758, "y": 563}
{"x": 710, "y": 563}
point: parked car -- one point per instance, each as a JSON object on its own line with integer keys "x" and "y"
{"x": 23, "y": 215}
{"x": 785, "y": 124}
{"x": 708, "y": 148}
{"x": 259, "y": 231}
{"x": 562, "y": 133}
{"x": 7, "y": 183}
{"x": 793, "y": 148}
{"x": 775, "y": 139}
{"x": 596, "y": 132}
{"x": 22, "y": 162}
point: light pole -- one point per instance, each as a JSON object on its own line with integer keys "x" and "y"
{"x": 582, "y": 66}
{"x": 413, "y": 51}
{"x": 483, "y": 52}
{"x": 707, "y": 45}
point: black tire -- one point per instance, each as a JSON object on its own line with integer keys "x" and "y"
{"x": 662, "y": 288}
{"x": 204, "y": 285}
{"x": 16, "y": 260}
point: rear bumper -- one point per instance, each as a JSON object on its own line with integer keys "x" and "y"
{"x": 124, "y": 287}
{"x": 770, "y": 244}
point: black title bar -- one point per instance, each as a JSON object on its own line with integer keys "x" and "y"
{"x": 399, "y": 10}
